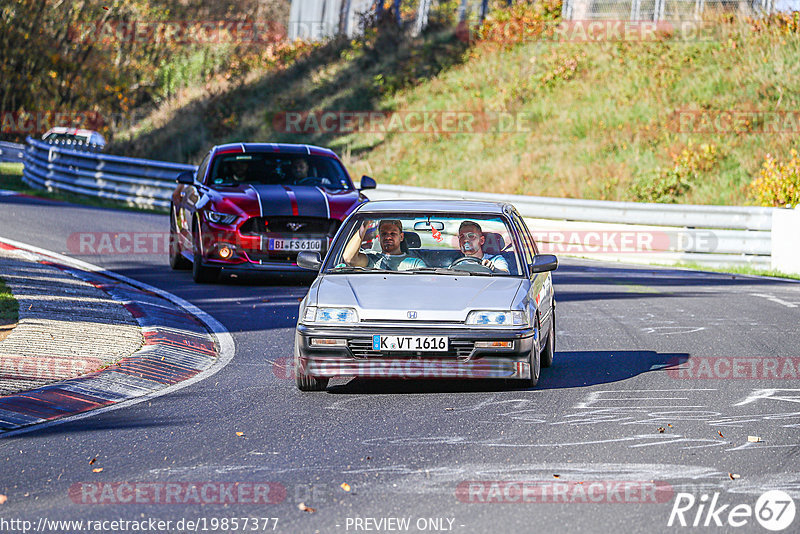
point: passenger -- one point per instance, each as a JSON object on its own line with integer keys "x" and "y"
{"x": 471, "y": 241}
{"x": 390, "y": 235}
{"x": 237, "y": 171}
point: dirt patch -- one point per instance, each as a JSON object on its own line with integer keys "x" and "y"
{"x": 6, "y": 329}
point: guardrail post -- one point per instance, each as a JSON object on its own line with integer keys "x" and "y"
{"x": 785, "y": 241}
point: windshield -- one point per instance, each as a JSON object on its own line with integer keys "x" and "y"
{"x": 278, "y": 169}
{"x": 432, "y": 244}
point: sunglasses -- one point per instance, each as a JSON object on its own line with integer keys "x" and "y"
{"x": 469, "y": 235}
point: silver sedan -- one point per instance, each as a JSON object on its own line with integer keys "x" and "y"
{"x": 428, "y": 289}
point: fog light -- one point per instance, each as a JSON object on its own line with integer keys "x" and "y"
{"x": 321, "y": 341}
{"x": 225, "y": 253}
{"x": 494, "y": 344}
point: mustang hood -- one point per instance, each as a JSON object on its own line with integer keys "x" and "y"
{"x": 254, "y": 200}
{"x": 433, "y": 297}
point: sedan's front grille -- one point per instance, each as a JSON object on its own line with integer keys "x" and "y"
{"x": 290, "y": 225}
{"x": 362, "y": 348}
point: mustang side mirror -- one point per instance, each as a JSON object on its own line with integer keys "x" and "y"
{"x": 309, "y": 260}
{"x": 368, "y": 183}
{"x": 544, "y": 262}
{"x": 186, "y": 177}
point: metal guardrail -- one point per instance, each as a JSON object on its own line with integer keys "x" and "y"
{"x": 11, "y": 152}
{"x": 711, "y": 235}
{"x": 140, "y": 182}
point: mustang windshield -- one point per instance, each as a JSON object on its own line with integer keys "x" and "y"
{"x": 422, "y": 244}
{"x": 264, "y": 168}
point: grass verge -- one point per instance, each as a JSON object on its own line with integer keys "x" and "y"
{"x": 9, "y": 310}
{"x": 11, "y": 180}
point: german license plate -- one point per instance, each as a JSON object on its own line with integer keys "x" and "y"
{"x": 409, "y": 343}
{"x": 313, "y": 245}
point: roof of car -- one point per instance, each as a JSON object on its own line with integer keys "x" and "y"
{"x": 435, "y": 206}
{"x": 275, "y": 147}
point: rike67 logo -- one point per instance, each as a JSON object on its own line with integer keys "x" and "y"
{"x": 774, "y": 510}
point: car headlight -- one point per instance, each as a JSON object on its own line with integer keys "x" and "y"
{"x": 330, "y": 315}
{"x": 220, "y": 218}
{"x": 497, "y": 318}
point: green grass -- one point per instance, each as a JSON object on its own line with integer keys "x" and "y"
{"x": 737, "y": 270}
{"x": 603, "y": 128}
{"x": 9, "y": 307}
{"x": 11, "y": 179}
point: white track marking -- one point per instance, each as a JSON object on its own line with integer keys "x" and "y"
{"x": 776, "y": 300}
{"x": 227, "y": 347}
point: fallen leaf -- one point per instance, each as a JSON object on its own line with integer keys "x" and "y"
{"x": 3, "y": 499}
{"x": 240, "y": 434}
{"x": 369, "y": 457}
{"x": 93, "y": 460}
{"x": 754, "y": 439}
{"x": 449, "y": 409}
{"x": 556, "y": 476}
{"x": 734, "y": 476}
{"x": 669, "y": 425}
{"x": 97, "y": 470}
{"x": 305, "y": 508}
{"x": 720, "y": 434}
{"x": 345, "y": 486}
{"x": 661, "y": 430}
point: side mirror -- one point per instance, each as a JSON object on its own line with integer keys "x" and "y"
{"x": 368, "y": 183}
{"x": 309, "y": 260}
{"x": 543, "y": 263}
{"x": 186, "y": 177}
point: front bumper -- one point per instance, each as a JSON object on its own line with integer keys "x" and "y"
{"x": 463, "y": 360}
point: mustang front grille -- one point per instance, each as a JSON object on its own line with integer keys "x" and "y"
{"x": 290, "y": 225}
{"x": 362, "y": 348}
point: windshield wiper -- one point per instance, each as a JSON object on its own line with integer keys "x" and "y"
{"x": 350, "y": 269}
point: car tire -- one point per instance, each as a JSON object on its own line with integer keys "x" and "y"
{"x": 201, "y": 273}
{"x": 303, "y": 381}
{"x": 549, "y": 350}
{"x": 176, "y": 260}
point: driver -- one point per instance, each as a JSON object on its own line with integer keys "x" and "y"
{"x": 299, "y": 169}
{"x": 471, "y": 241}
{"x": 392, "y": 257}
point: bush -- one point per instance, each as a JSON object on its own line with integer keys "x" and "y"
{"x": 778, "y": 184}
{"x": 669, "y": 185}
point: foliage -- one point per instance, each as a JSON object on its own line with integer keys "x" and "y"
{"x": 668, "y": 185}
{"x": 778, "y": 183}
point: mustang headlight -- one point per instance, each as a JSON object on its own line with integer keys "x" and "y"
{"x": 330, "y": 315}
{"x": 220, "y": 218}
{"x": 497, "y": 318}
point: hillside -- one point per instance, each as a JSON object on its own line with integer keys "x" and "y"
{"x": 613, "y": 119}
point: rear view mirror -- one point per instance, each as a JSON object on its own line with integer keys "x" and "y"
{"x": 543, "y": 263}
{"x": 368, "y": 183}
{"x": 309, "y": 260}
{"x": 186, "y": 177}
{"x": 427, "y": 225}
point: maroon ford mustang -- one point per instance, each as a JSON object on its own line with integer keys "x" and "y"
{"x": 255, "y": 206}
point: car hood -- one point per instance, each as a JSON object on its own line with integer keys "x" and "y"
{"x": 278, "y": 200}
{"x": 441, "y": 298}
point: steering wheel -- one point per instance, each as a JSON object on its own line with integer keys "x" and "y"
{"x": 308, "y": 180}
{"x": 471, "y": 262}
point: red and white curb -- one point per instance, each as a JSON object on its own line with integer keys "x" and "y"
{"x": 183, "y": 345}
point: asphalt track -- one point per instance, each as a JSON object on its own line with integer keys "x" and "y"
{"x": 612, "y": 410}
